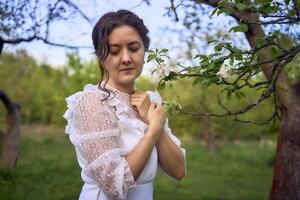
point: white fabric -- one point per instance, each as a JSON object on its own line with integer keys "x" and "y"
{"x": 103, "y": 132}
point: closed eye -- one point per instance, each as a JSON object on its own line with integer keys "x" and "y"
{"x": 114, "y": 52}
{"x": 134, "y": 49}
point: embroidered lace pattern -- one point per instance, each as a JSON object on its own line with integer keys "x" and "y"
{"x": 93, "y": 118}
{"x": 122, "y": 96}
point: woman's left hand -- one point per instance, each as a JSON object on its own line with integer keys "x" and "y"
{"x": 141, "y": 102}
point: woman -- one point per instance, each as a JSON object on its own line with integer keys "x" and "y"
{"x": 121, "y": 134}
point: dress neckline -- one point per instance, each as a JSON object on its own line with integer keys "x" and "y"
{"x": 117, "y": 91}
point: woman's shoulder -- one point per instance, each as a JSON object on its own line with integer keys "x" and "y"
{"x": 88, "y": 97}
{"x": 154, "y": 96}
{"x": 88, "y": 93}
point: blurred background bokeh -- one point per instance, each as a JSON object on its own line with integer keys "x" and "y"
{"x": 226, "y": 159}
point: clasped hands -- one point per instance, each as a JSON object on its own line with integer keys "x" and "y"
{"x": 151, "y": 113}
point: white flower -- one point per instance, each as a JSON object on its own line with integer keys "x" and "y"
{"x": 162, "y": 71}
{"x": 202, "y": 71}
{"x": 225, "y": 71}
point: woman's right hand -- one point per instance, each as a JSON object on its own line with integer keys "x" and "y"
{"x": 157, "y": 117}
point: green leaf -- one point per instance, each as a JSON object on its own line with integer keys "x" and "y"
{"x": 201, "y": 56}
{"x": 206, "y": 82}
{"x": 263, "y": 2}
{"x": 240, "y": 6}
{"x": 211, "y": 41}
{"x": 287, "y": 2}
{"x": 171, "y": 105}
{"x": 228, "y": 10}
{"x": 229, "y": 94}
{"x": 269, "y": 8}
{"x": 242, "y": 94}
{"x": 228, "y": 45}
{"x": 211, "y": 65}
{"x": 231, "y": 60}
{"x": 291, "y": 13}
{"x": 197, "y": 80}
{"x": 150, "y": 51}
{"x": 220, "y": 11}
{"x": 274, "y": 51}
{"x": 161, "y": 85}
{"x": 237, "y": 95}
{"x": 204, "y": 62}
{"x": 244, "y": 28}
{"x": 239, "y": 56}
{"x": 239, "y": 28}
{"x": 214, "y": 12}
{"x": 163, "y": 51}
{"x": 219, "y": 47}
{"x": 151, "y": 57}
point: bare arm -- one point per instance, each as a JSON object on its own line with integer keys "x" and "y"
{"x": 170, "y": 157}
{"x": 139, "y": 156}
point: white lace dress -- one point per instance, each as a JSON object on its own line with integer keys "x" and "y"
{"x": 103, "y": 132}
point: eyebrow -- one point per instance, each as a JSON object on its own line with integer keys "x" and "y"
{"x": 131, "y": 43}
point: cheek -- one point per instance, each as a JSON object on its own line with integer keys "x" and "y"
{"x": 110, "y": 65}
{"x": 140, "y": 57}
{"x": 140, "y": 61}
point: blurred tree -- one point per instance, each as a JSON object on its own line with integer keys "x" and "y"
{"x": 25, "y": 21}
{"x": 266, "y": 24}
{"x": 10, "y": 143}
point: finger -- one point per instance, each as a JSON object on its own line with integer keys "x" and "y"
{"x": 138, "y": 91}
{"x": 152, "y": 105}
{"x": 160, "y": 107}
{"x": 135, "y": 101}
{"x": 136, "y": 97}
{"x": 134, "y": 104}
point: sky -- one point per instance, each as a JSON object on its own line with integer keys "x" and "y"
{"x": 79, "y": 33}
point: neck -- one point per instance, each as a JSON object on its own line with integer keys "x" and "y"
{"x": 127, "y": 88}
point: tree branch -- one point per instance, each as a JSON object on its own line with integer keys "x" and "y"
{"x": 35, "y": 37}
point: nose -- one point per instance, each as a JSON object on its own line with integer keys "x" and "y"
{"x": 126, "y": 58}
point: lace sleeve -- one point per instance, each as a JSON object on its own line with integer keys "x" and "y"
{"x": 99, "y": 143}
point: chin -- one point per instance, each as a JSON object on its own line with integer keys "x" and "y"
{"x": 127, "y": 80}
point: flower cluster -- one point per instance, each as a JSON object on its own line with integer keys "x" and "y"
{"x": 225, "y": 71}
{"x": 161, "y": 71}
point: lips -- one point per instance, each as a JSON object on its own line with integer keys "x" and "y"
{"x": 126, "y": 69}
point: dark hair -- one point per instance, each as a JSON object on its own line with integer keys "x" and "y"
{"x": 105, "y": 26}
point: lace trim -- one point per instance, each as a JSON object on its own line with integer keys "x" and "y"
{"x": 77, "y": 135}
{"x": 104, "y": 159}
{"x": 128, "y": 180}
{"x": 113, "y": 173}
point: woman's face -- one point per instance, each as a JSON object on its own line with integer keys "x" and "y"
{"x": 126, "y": 55}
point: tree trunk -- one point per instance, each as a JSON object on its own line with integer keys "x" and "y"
{"x": 9, "y": 155}
{"x": 209, "y": 136}
{"x": 207, "y": 133}
{"x": 286, "y": 180}
{"x": 1, "y": 45}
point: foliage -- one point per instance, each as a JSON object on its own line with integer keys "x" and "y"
{"x": 202, "y": 99}
{"x": 42, "y": 89}
{"x": 271, "y": 30}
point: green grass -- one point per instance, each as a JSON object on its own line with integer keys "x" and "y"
{"x": 47, "y": 169}
{"x": 237, "y": 171}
